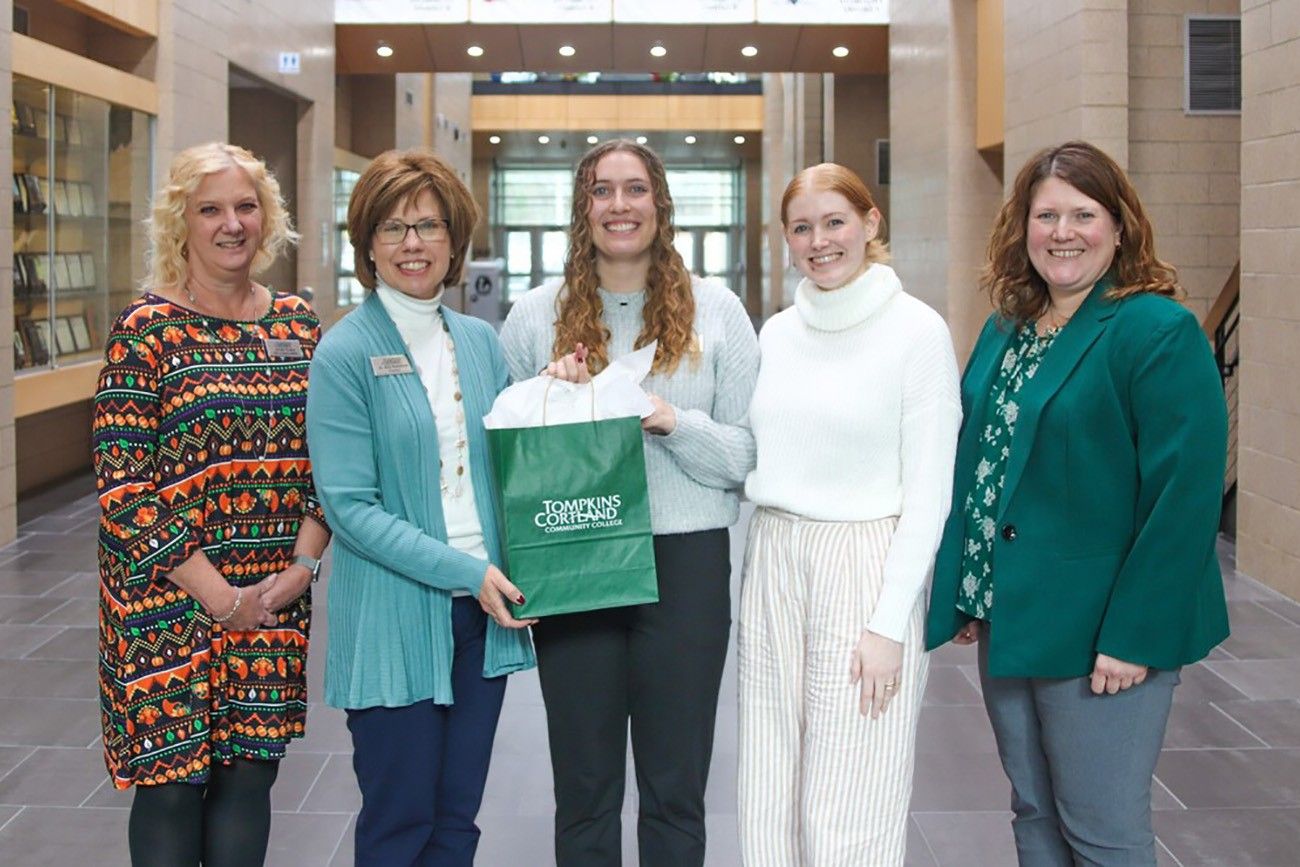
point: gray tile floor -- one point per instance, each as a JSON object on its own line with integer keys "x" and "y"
{"x": 1228, "y": 789}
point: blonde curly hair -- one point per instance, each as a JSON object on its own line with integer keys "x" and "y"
{"x": 669, "y": 312}
{"x": 168, "y": 233}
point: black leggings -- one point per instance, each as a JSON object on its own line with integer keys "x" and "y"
{"x": 224, "y": 823}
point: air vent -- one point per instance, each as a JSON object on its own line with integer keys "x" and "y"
{"x": 1213, "y": 65}
{"x": 882, "y": 162}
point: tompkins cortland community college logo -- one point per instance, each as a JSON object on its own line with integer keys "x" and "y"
{"x": 579, "y": 513}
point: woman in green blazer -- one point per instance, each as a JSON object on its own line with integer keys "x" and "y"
{"x": 1080, "y": 552}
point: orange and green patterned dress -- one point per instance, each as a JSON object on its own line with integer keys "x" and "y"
{"x": 199, "y": 443}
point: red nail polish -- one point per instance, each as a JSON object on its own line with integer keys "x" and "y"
{"x": 520, "y": 599}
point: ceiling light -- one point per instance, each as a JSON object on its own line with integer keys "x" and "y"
{"x": 383, "y": 49}
{"x": 543, "y": 139}
{"x": 749, "y": 50}
{"x": 591, "y": 139}
{"x": 494, "y": 139}
{"x": 474, "y": 51}
{"x": 658, "y": 50}
{"x": 740, "y": 139}
{"x": 690, "y": 139}
{"x": 840, "y": 51}
{"x": 567, "y": 51}
{"x": 641, "y": 139}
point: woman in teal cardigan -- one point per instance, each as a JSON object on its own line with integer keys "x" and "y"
{"x": 402, "y": 470}
{"x": 1080, "y": 552}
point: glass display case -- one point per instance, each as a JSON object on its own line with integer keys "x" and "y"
{"x": 80, "y": 185}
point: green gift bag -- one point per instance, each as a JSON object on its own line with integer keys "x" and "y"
{"x": 576, "y": 515}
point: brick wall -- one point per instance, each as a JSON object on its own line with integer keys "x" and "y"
{"x": 1268, "y": 540}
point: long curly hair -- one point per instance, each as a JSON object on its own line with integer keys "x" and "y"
{"x": 168, "y": 234}
{"x": 1016, "y": 289}
{"x": 669, "y": 312}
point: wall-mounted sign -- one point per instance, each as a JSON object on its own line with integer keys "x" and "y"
{"x": 290, "y": 62}
{"x": 401, "y": 11}
{"x": 683, "y": 11}
{"x": 822, "y": 11}
{"x": 540, "y": 11}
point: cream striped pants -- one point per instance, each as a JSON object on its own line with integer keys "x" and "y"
{"x": 820, "y": 784}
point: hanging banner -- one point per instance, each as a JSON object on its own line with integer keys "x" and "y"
{"x": 540, "y": 11}
{"x": 822, "y": 11}
{"x": 401, "y": 11}
{"x": 683, "y": 11}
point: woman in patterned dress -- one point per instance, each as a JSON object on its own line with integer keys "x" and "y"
{"x": 1081, "y": 550}
{"x": 211, "y": 534}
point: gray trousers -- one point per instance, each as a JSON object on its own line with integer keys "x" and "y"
{"x": 1080, "y": 765}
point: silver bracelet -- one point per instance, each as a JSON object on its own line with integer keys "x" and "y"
{"x": 239, "y": 598}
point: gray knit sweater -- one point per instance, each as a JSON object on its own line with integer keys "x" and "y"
{"x": 695, "y": 472}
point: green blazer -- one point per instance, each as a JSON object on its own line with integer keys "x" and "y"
{"x": 1110, "y": 509}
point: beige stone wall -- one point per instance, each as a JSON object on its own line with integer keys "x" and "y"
{"x": 943, "y": 195}
{"x": 1268, "y": 530}
{"x": 198, "y": 41}
{"x": 8, "y": 459}
{"x": 1066, "y": 76}
{"x": 1185, "y": 167}
{"x": 862, "y": 118}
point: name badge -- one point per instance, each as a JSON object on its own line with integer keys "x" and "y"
{"x": 282, "y": 348}
{"x": 389, "y": 365}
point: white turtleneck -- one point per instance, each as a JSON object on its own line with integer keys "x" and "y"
{"x": 419, "y": 322}
{"x": 855, "y": 417}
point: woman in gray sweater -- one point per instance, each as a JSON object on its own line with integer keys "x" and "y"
{"x": 657, "y": 665}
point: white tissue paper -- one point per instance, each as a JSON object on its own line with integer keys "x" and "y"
{"x": 618, "y": 394}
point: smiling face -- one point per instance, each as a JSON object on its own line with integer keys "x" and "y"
{"x": 413, "y": 266}
{"x": 622, "y": 210}
{"x": 1071, "y": 238}
{"x": 828, "y": 237}
{"x": 223, "y": 226}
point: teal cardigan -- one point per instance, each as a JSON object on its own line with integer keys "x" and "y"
{"x": 374, "y": 451}
{"x": 1106, "y": 528}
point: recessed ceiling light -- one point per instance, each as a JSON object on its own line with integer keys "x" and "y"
{"x": 840, "y": 51}
{"x": 740, "y": 139}
{"x": 383, "y": 49}
{"x": 591, "y": 139}
{"x": 567, "y": 51}
{"x": 749, "y": 50}
{"x": 641, "y": 139}
{"x": 474, "y": 51}
{"x": 543, "y": 139}
{"x": 494, "y": 139}
{"x": 690, "y": 139}
{"x": 658, "y": 50}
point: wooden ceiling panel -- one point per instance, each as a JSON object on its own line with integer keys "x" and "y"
{"x": 355, "y": 45}
{"x": 685, "y": 46}
{"x": 868, "y": 50}
{"x": 775, "y": 43}
{"x": 500, "y": 44}
{"x": 593, "y": 47}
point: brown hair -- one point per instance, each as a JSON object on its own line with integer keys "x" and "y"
{"x": 1016, "y": 288}
{"x": 845, "y": 181}
{"x": 395, "y": 177}
{"x": 669, "y": 312}
{"x": 168, "y": 233}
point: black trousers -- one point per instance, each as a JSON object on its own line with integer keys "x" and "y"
{"x": 658, "y": 666}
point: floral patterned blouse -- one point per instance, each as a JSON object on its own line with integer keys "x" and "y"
{"x": 1019, "y": 364}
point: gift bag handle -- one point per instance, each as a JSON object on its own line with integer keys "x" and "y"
{"x": 547, "y": 393}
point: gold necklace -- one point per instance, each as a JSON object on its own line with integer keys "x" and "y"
{"x": 462, "y": 436}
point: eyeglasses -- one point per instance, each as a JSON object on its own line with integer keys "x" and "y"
{"x": 394, "y": 231}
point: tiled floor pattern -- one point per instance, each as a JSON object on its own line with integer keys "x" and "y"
{"x": 1228, "y": 788}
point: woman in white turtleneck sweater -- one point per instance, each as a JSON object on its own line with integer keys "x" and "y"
{"x": 855, "y": 418}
